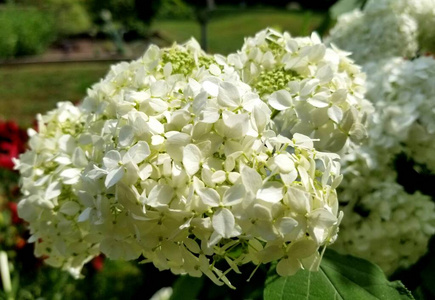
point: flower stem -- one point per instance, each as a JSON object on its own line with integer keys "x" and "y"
{"x": 275, "y": 112}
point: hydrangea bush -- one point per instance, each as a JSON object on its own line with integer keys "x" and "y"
{"x": 386, "y": 28}
{"x": 376, "y": 196}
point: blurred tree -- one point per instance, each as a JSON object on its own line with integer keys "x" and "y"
{"x": 174, "y": 9}
{"x": 25, "y": 31}
{"x": 71, "y": 16}
{"x": 133, "y": 16}
{"x": 203, "y": 9}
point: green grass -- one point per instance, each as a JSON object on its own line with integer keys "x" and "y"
{"x": 26, "y": 90}
{"x": 226, "y": 33}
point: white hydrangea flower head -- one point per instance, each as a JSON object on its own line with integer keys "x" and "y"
{"x": 388, "y": 227}
{"x": 403, "y": 93}
{"x": 382, "y": 222}
{"x": 311, "y": 89}
{"x": 422, "y": 11}
{"x": 375, "y": 34}
{"x": 176, "y": 161}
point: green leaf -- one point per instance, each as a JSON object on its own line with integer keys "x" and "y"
{"x": 427, "y": 273}
{"x": 187, "y": 287}
{"x": 339, "y": 277}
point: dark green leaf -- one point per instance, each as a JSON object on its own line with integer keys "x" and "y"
{"x": 339, "y": 277}
{"x": 187, "y": 287}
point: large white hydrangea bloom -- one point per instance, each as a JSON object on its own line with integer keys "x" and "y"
{"x": 172, "y": 157}
{"x": 311, "y": 89}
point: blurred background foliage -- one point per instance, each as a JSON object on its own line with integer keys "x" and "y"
{"x": 25, "y": 31}
{"x": 30, "y": 26}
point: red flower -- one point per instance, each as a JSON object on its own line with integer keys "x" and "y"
{"x": 98, "y": 263}
{"x": 20, "y": 243}
{"x": 12, "y": 143}
{"x": 14, "y": 214}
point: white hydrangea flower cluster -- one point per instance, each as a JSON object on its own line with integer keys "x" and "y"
{"x": 361, "y": 171}
{"x": 376, "y": 34}
{"x": 50, "y": 172}
{"x": 388, "y": 226}
{"x": 311, "y": 89}
{"x": 403, "y": 93}
{"x": 173, "y": 157}
{"x": 370, "y": 205}
{"x": 384, "y": 223}
{"x": 422, "y": 11}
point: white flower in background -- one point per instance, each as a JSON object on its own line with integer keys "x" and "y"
{"x": 362, "y": 170}
{"x": 383, "y": 223}
{"x": 386, "y": 28}
{"x": 375, "y": 35}
{"x": 388, "y": 227}
{"x": 172, "y": 157}
{"x": 403, "y": 93}
{"x": 312, "y": 89}
{"x": 422, "y": 11}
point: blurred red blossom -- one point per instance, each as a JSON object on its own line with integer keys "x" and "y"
{"x": 98, "y": 263}
{"x": 12, "y": 143}
{"x": 14, "y": 214}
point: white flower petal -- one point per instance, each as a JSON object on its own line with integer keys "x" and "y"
{"x": 223, "y": 222}
{"x": 251, "y": 180}
{"x": 335, "y": 114}
{"x": 229, "y": 95}
{"x": 138, "y": 152}
{"x": 53, "y": 190}
{"x": 234, "y": 195}
{"x": 126, "y": 136}
{"x": 271, "y": 191}
{"x": 114, "y": 177}
{"x": 191, "y": 159}
{"x": 280, "y": 100}
{"x": 209, "y": 197}
{"x": 111, "y": 159}
{"x": 70, "y": 208}
{"x": 160, "y": 195}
